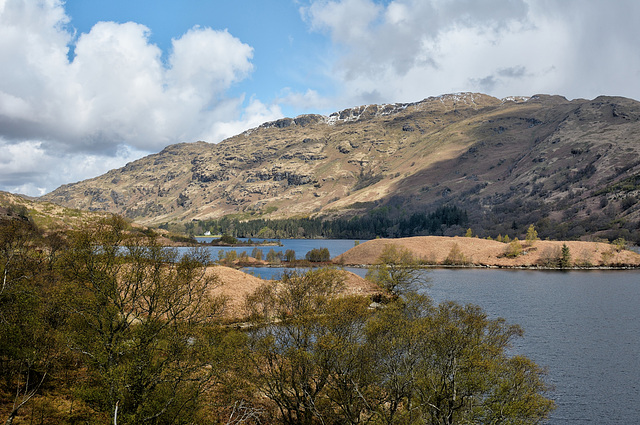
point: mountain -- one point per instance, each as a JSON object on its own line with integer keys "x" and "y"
{"x": 570, "y": 167}
{"x": 46, "y": 215}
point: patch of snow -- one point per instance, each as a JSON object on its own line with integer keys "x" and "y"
{"x": 515, "y": 99}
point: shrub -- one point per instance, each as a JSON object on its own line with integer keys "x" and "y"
{"x": 514, "y": 249}
{"x": 456, "y": 257}
{"x": 227, "y": 239}
{"x": 532, "y": 235}
{"x": 273, "y": 256}
{"x": 256, "y": 253}
{"x": 565, "y": 257}
{"x": 318, "y": 255}
{"x": 290, "y": 255}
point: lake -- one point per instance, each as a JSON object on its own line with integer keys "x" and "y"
{"x": 583, "y": 326}
{"x": 299, "y": 246}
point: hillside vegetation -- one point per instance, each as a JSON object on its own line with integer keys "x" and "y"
{"x": 101, "y": 324}
{"x": 45, "y": 215}
{"x": 570, "y": 167}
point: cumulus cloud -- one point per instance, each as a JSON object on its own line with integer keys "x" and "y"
{"x": 404, "y": 50}
{"x": 114, "y": 93}
{"x": 29, "y": 167}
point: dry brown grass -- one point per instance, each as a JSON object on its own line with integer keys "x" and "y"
{"x": 482, "y": 252}
{"x": 235, "y": 285}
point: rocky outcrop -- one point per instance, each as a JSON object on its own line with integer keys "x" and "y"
{"x": 543, "y": 159}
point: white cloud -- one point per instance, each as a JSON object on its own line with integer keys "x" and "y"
{"x": 348, "y": 20}
{"x": 310, "y": 101}
{"x": 254, "y": 114}
{"x": 28, "y": 167}
{"x": 405, "y": 50}
{"x": 115, "y": 93}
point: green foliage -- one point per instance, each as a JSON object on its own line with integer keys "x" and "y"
{"x": 620, "y": 244}
{"x": 334, "y": 360}
{"x": 629, "y": 184}
{"x": 135, "y": 313}
{"x": 266, "y": 233}
{"x": 396, "y": 270}
{"x": 182, "y": 239}
{"x": 383, "y": 221}
{"x": 514, "y": 249}
{"x": 30, "y": 349}
{"x": 318, "y": 255}
{"x": 274, "y": 257}
{"x": 532, "y": 235}
{"x": 229, "y": 240}
{"x": 565, "y": 257}
{"x": 456, "y": 257}
{"x": 290, "y": 255}
{"x": 256, "y": 253}
{"x": 469, "y": 233}
{"x": 230, "y": 256}
{"x": 119, "y": 321}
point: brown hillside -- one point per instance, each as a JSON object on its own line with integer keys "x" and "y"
{"x": 570, "y": 167}
{"x": 46, "y": 215}
{"x": 434, "y": 250}
{"x": 235, "y": 285}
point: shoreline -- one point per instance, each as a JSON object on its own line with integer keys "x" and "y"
{"x": 503, "y": 267}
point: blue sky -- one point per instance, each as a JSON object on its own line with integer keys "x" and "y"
{"x": 285, "y": 51}
{"x": 89, "y": 85}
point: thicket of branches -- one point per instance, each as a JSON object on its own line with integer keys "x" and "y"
{"x": 102, "y": 325}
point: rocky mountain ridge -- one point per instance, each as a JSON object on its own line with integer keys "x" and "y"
{"x": 507, "y": 161}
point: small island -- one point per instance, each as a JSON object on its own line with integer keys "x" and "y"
{"x": 475, "y": 252}
{"x": 227, "y": 240}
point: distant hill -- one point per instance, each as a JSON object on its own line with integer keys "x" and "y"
{"x": 46, "y": 215}
{"x": 570, "y": 167}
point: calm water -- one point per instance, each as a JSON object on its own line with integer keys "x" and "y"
{"x": 584, "y": 327}
{"x": 300, "y": 246}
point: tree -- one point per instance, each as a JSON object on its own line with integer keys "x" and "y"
{"x": 465, "y": 375}
{"x": 396, "y": 270}
{"x": 290, "y": 255}
{"x": 514, "y": 249}
{"x": 318, "y": 255}
{"x": 565, "y": 257}
{"x": 394, "y": 339}
{"x": 29, "y": 345}
{"x": 230, "y": 256}
{"x": 532, "y": 235}
{"x": 141, "y": 317}
{"x": 256, "y": 253}
{"x": 273, "y": 256}
{"x": 620, "y": 244}
{"x": 288, "y": 367}
{"x": 343, "y": 340}
{"x": 455, "y": 256}
{"x": 325, "y": 359}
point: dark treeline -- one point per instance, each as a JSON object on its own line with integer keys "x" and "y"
{"x": 381, "y": 222}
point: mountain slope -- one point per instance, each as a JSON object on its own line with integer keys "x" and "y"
{"x": 46, "y": 215}
{"x": 509, "y": 162}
